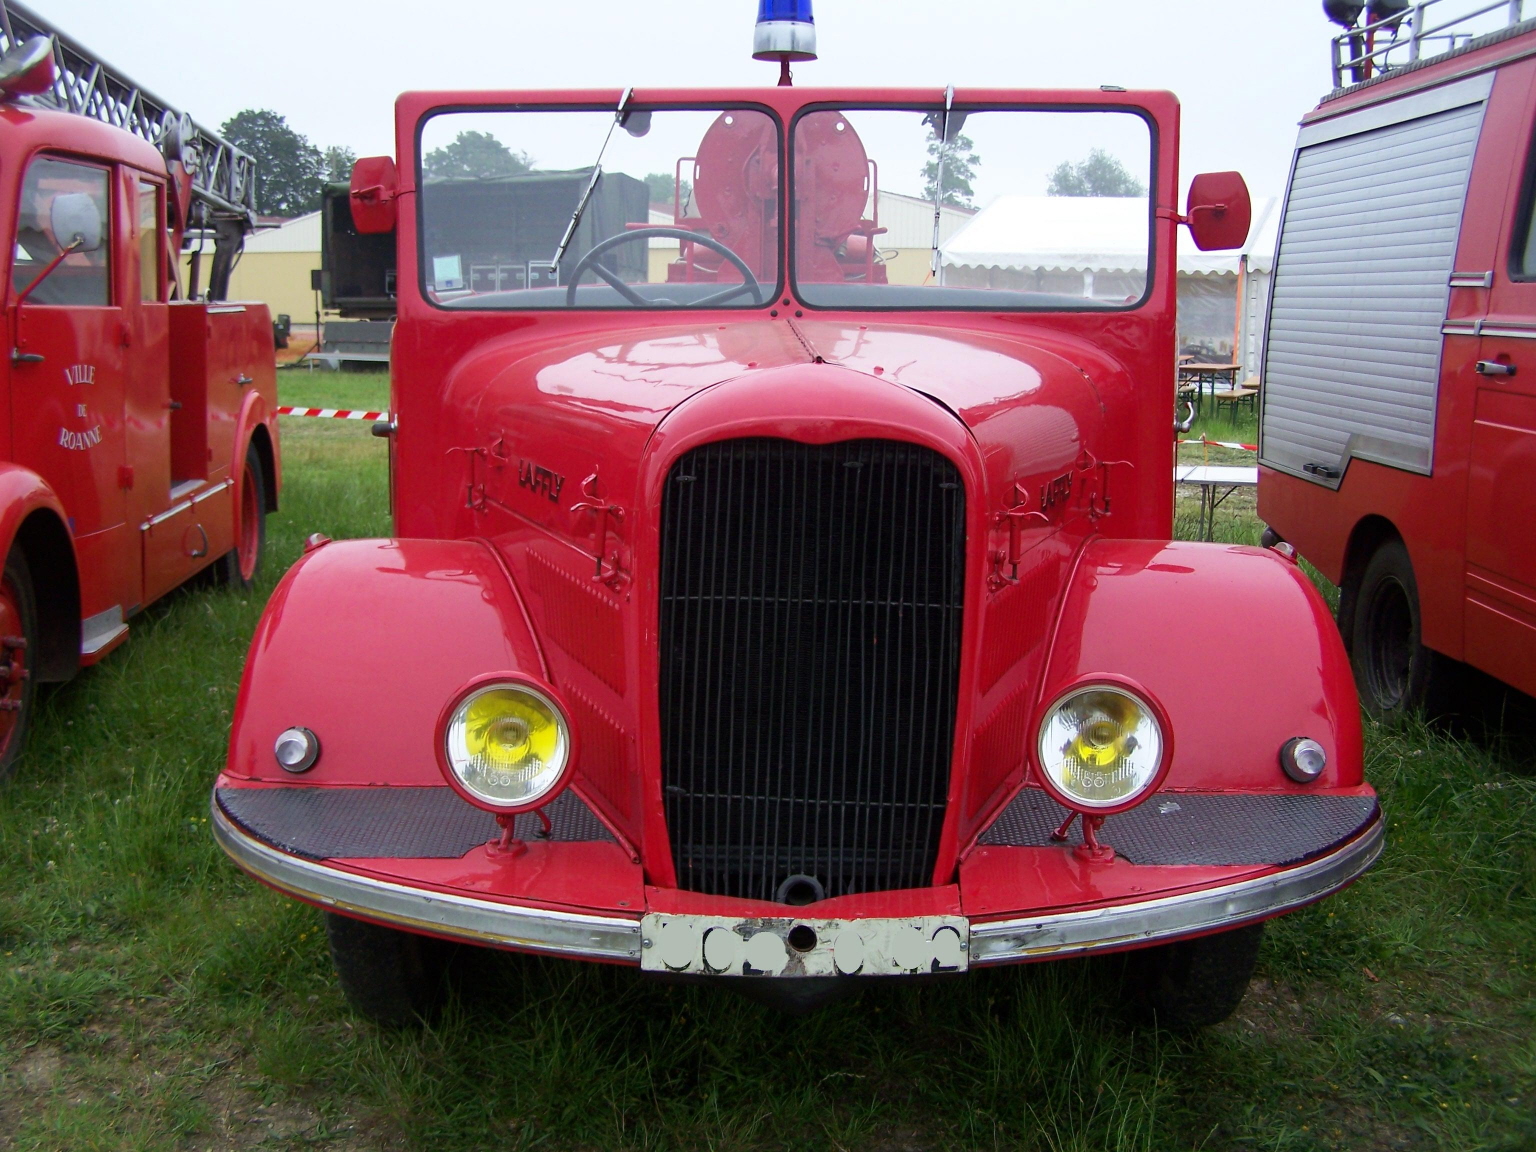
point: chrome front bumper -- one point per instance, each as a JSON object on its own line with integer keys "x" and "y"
{"x": 470, "y": 918}
{"x": 618, "y": 939}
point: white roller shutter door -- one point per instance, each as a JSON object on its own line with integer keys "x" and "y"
{"x": 1361, "y": 279}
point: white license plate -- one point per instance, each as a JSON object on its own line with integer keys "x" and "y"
{"x": 796, "y": 946}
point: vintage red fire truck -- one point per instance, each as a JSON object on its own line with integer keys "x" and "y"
{"x": 1398, "y": 437}
{"x": 770, "y": 592}
{"x": 140, "y": 435}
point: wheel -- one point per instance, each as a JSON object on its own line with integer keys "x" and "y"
{"x": 240, "y": 566}
{"x": 18, "y": 640}
{"x": 394, "y": 978}
{"x": 1196, "y": 983}
{"x": 589, "y": 261}
{"x": 1394, "y": 672}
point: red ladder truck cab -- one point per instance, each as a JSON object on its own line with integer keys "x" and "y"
{"x": 782, "y": 590}
{"x": 138, "y": 441}
{"x": 1398, "y": 429}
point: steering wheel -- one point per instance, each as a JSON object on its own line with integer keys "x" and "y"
{"x": 589, "y": 261}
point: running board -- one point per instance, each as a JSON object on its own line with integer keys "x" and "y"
{"x": 101, "y": 631}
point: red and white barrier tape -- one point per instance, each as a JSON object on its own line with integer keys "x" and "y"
{"x": 334, "y": 413}
{"x": 1222, "y": 444}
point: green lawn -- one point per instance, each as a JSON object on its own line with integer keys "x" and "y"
{"x": 152, "y": 997}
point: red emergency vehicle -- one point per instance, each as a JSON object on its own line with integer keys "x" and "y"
{"x": 139, "y": 436}
{"x": 1398, "y": 433}
{"x": 777, "y": 596}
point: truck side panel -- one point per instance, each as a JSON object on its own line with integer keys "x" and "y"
{"x": 1363, "y": 392}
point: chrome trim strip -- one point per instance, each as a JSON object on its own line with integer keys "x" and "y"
{"x": 1509, "y": 331}
{"x": 463, "y": 917}
{"x": 214, "y": 491}
{"x": 1188, "y": 914}
{"x": 180, "y": 507}
{"x": 160, "y": 518}
{"x": 1461, "y": 328}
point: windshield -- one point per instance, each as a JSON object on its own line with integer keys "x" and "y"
{"x": 1036, "y": 209}
{"x": 684, "y": 210}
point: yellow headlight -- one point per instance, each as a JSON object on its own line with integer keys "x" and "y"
{"x": 1100, "y": 747}
{"x": 507, "y": 745}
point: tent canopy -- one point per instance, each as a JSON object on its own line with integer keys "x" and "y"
{"x": 1092, "y": 234}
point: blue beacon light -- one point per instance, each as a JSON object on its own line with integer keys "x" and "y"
{"x": 786, "y": 31}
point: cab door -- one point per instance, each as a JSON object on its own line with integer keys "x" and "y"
{"x": 66, "y": 391}
{"x": 159, "y": 506}
{"x": 1500, "y": 604}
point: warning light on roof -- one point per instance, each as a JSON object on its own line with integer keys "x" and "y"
{"x": 786, "y": 31}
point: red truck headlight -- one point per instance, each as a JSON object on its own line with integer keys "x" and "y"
{"x": 1101, "y": 748}
{"x": 506, "y": 746}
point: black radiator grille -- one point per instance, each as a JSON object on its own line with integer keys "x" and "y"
{"x": 811, "y": 602}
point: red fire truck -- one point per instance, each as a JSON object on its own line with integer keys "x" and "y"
{"x": 778, "y": 597}
{"x": 1398, "y": 437}
{"x": 139, "y": 437}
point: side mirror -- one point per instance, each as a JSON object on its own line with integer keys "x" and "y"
{"x": 1218, "y": 211}
{"x": 76, "y": 221}
{"x": 372, "y": 192}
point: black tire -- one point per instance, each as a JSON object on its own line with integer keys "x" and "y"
{"x": 241, "y": 565}
{"x": 18, "y": 685}
{"x": 1395, "y": 674}
{"x": 394, "y": 978}
{"x": 1193, "y": 984}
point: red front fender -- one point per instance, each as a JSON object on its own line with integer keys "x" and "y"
{"x": 1235, "y": 644}
{"x": 23, "y": 492}
{"x": 363, "y": 643}
{"x": 256, "y": 412}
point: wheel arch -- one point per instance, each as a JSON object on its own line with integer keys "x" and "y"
{"x": 50, "y": 554}
{"x": 261, "y": 440}
{"x": 1364, "y": 539}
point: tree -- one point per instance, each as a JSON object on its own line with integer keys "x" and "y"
{"x": 1099, "y": 175}
{"x": 960, "y": 161}
{"x": 476, "y": 155}
{"x": 289, "y": 169}
{"x": 660, "y": 186}
{"x": 338, "y": 164}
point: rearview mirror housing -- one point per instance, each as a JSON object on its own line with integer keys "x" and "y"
{"x": 1218, "y": 211}
{"x": 75, "y": 216}
{"x": 372, "y": 193}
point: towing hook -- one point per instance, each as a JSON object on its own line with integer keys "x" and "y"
{"x": 1189, "y": 419}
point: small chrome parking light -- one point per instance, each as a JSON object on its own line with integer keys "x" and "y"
{"x": 297, "y": 749}
{"x": 1303, "y": 759}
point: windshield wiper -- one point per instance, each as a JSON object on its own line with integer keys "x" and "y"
{"x": 597, "y": 172}
{"x": 938, "y": 183}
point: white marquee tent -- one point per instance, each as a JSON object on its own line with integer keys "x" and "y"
{"x": 1096, "y": 246}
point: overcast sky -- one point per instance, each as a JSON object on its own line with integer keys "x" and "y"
{"x": 1245, "y": 71}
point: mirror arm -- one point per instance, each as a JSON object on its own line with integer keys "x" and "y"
{"x": 46, "y": 272}
{"x": 1214, "y": 209}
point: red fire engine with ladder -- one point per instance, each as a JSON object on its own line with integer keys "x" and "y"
{"x": 138, "y": 440}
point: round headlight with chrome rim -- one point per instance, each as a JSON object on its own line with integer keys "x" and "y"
{"x": 1102, "y": 748}
{"x": 506, "y": 746}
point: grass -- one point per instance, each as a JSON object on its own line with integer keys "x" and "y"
{"x": 151, "y": 997}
